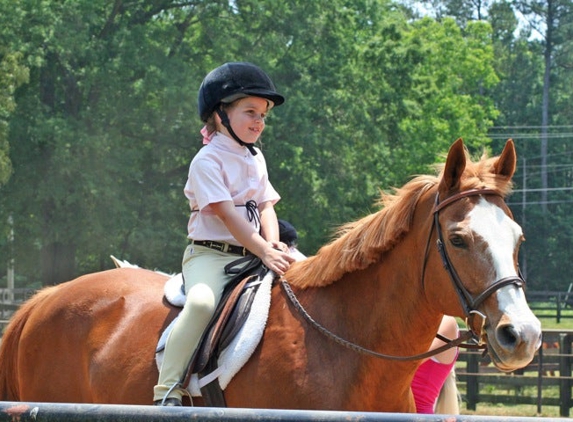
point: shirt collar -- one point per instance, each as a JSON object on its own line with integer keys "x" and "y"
{"x": 222, "y": 141}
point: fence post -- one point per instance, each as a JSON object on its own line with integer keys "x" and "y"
{"x": 558, "y": 298}
{"x": 539, "y": 377}
{"x": 472, "y": 383}
{"x": 565, "y": 375}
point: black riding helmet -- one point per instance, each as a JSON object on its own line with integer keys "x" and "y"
{"x": 230, "y": 82}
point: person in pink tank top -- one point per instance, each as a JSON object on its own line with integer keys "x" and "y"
{"x": 433, "y": 372}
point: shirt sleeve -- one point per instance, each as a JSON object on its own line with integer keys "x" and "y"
{"x": 207, "y": 179}
{"x": 268, "y": 192}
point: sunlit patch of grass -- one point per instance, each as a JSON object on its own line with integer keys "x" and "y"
{"x": 526, "y": 410}
{"x": 550, "y": 323}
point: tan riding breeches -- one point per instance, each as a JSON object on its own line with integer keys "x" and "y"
{"x": 205, "y": 280}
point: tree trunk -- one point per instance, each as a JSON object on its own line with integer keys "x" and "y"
{"x": 57, "y": 263}
{"x": 545, "y": 105}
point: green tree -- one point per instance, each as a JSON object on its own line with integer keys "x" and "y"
{"x": 533, "y": 62}
{"x": 542, "y": 56}
{"x": 553, "y": 20}
{"x": 463, "y": 11}
{"x": 103, "y": 133}
{"x": 516, "y": 60}
{"x": 12, "y": 75}
{"x": 98, "y": 137}
{"x": 453, "y": 79}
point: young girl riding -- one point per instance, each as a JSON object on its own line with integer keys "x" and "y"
{"x": 232, "y": 208}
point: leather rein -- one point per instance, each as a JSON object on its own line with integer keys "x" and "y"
{"x": 468, "y": 302}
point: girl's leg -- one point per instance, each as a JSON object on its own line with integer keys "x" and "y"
{"x": 203, "y": 271}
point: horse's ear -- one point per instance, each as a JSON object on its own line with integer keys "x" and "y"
{"x": 455, "y": 166}
{"x": 507, "y": 161}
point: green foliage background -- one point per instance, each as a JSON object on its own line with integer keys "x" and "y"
{"x": 98, "y": 115}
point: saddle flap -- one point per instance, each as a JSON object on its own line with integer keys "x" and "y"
{"x": 239, "y": 315}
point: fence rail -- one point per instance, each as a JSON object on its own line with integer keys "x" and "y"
{"x": 52, "y": 412}
{"x": 10, "y": 300}
{"x": 551, "y": 304}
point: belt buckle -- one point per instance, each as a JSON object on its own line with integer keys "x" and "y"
{"x": 217, "y": 246}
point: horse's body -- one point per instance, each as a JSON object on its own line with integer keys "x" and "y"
{"x": 381, "y": 284}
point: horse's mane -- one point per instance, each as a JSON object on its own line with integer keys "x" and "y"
{"x": 360, "y": 243}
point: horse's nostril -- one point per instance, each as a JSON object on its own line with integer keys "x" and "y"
{"x": 507, "y": 336}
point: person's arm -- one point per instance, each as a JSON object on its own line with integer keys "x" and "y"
{"x": 247, "y": 236}
{"x": 449, "y": 329}
{"x": 270, "y": 226}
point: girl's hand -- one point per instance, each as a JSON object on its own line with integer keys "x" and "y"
{"x": 280, "y": 246}
{"x": 276, "y": 260}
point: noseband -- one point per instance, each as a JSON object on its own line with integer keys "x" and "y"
{"x": 469, "y": 303}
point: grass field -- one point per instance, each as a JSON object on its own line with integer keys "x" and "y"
{"x": 551, "y": 323}
{"x": 526, "y": 410}
{"x": 491, "y": 409}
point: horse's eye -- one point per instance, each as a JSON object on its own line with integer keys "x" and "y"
{"x": 457, "y": 241}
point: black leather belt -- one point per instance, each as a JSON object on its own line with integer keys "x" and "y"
{"x": 222, "y": 246}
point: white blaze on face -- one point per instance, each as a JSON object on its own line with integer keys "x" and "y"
{"x": 502, "y": 235}
{"x": 500, "y": 232}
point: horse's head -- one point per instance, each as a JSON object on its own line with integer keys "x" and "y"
{"x": 478, "y": 243}
{"x": 476, "y": 237}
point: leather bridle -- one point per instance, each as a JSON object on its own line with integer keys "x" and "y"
{"x": 469, "y": 303}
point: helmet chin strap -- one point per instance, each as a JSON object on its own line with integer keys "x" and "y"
{"x": 225, "y": 121}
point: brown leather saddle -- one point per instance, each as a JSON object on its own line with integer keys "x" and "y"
{"x": 229, "y": 317}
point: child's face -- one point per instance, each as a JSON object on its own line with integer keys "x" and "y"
{"x": 247, "y": 117}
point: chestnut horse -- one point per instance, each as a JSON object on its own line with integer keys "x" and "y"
{"x": 381, "y": 284}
